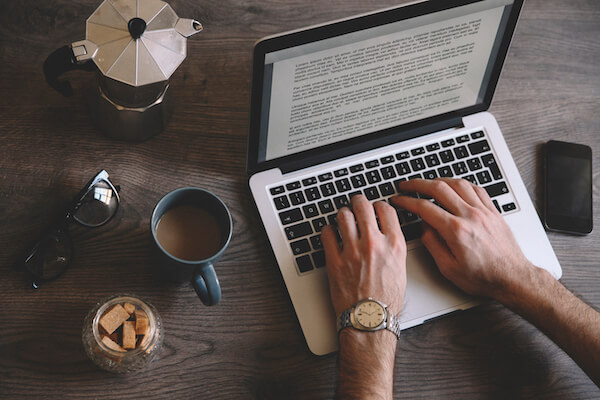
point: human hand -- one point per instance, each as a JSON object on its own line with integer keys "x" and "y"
{"x": 468, "y": 239}
{"x": 371, "y": 262}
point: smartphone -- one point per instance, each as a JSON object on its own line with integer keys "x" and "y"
{"x": 568, "y": 187}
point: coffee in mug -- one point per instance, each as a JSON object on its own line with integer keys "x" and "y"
{"x": 189, "y": 232}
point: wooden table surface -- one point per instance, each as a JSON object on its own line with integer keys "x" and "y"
{"x": 250, "y": 346}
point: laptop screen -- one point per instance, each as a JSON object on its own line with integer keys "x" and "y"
{"x": 349, "y": 86}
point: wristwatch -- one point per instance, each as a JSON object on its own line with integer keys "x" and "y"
{"x": 369, "y": 315}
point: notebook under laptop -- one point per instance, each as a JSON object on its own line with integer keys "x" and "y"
{"x": 355, "y": 106}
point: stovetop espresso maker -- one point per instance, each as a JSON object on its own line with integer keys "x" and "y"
{"x": 135, "y": 46}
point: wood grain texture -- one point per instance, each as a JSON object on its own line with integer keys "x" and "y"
{"x": 250, "y": 346}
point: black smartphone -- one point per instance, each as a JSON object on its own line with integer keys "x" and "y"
{"x": 568, "y": 187}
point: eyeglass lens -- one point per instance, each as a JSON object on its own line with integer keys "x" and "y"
{"x": 51, "y": 255}
{"x": 98, "y": 205}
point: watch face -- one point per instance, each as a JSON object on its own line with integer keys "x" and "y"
{"x": 369, "y": 314}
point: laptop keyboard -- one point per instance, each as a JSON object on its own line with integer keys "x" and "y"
{"x": 306, "y": 205}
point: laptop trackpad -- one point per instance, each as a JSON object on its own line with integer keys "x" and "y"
{"x": 428, "y": 293}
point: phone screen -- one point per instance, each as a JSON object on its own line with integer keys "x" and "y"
{"x": 568, "y": 197}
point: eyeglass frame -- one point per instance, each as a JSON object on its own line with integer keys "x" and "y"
{"x": 62, "y": 223}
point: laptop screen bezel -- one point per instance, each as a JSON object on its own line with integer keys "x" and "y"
{"x": 376, "y": 139}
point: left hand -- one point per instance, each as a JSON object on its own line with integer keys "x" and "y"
{"x": 371, "y": 262}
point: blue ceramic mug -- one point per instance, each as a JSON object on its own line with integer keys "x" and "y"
{"x": 200, "y": 272}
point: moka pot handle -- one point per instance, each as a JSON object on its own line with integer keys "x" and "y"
{"x": 68, "y": 58}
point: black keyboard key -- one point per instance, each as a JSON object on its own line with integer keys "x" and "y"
{"x": 372, "y": 193}
{"x": 388, "y": 172}
{"x": 418, "y": 151}
{"x": 402, "y": 156}
{"x": 490, "y": 162}
{"x": 293, "y": 185}
{"x": 358, "y": 181}
{"x": 495, "y": 170}
{"x": 309, "y": 181}
{"x": 445, "y": 172}
{"x": 430, "y": 174}
{"x": 477, "y": 135}
{"x": 326, "y": 206}
{"x": 297, "y": 198}
{"x": 316, "y": 242}
{"x": 341, "y": 201}
{"x": 403, "y": 168}
{"x": 310, "y": 210}
{"x": 496, "y": 189}
{"x": 462, "y": 139}
{"x": 412, "y": 231}
{"x": 433, "y": 147}
{"x": 387, "y": 189}
{"x": 373, "y": 176}
{"x": 352, "y": 194}
{"x": 497, "y": 205}
{"x": 325, "y": 177}
{"x": 432, "y": 160}
{"x": 461, "y": 152}
{"x": 415, "y": 176}
{"x": 318, "y": 224}
{"x": 343, "y": 185}
{"x": 277, "y": 190}
{"x": 372, "y": 164}
{"x": 298, "y": 230}
{"x": 397, "y": 181}
{"x": 474, "y": 164}
{"x": 448, "y": 143}
{"x": 479, "y": 147}
{"x": 319, "y": 259}
{"x": 293, "y": 215}
{"x": 483, "y": 177}
{"x": 387, "y": 160}
{"x": 312, "y": 193}
{"x": 417, "y": 164}
{"x": 300, "y": 247}
{"x": 340, "y": 172}
{"x": 471, "y": 178}
{"x": 460, "y": 168}
{"x": 509, "y": 207}
{"x": 304, "y": 263}
{"x": 328, "y": 189}
{"x": 357, "y": 168}
{"x": 332, "y": 218}
{"x": 446, "y": 156}
{"x": 281, "y": 202}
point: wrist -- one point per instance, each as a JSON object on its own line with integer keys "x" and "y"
{"x": 524, "y": 282}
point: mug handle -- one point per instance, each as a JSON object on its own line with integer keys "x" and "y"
{"x": 206, "y": 284}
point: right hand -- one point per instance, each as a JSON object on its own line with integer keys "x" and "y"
{"x": 468, "y": 238}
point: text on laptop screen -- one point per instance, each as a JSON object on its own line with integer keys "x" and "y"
{"x": 358, "y": 83}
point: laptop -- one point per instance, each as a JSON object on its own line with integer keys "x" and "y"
{"x": 357, "y": 105}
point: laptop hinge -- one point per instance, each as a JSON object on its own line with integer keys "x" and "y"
{"x": 335, "y": 151}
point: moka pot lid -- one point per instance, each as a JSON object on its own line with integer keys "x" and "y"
{"x": 138, "y": 42}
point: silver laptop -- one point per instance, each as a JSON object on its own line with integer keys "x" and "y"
{"x": 355, "y": 106}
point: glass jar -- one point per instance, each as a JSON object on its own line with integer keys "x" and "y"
{"x": 121, "y": 361}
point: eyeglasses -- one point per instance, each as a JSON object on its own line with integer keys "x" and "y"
{"x": 51, "y": 253}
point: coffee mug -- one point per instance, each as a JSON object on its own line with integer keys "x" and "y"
{"x": 191, "y": 228}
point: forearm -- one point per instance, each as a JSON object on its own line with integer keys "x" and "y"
{"x": 568, "y": 321}
{"x": 366, "y": 364}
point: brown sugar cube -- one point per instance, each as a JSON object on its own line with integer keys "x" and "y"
{"x": 130, "y": 308}
{"x": 141, "y": 322}
{"x": 112, "y": 345}
{"x": 129, "y": 335}
{"x": 114, "y": 318}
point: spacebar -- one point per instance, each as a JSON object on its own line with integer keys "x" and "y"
{"x": 412, "y": 231}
